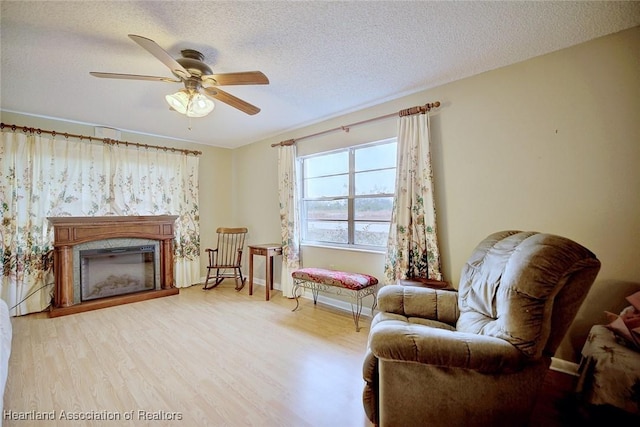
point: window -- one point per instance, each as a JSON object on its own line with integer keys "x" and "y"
{"x": 347, "y": 195}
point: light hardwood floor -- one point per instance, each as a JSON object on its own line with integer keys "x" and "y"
{"x": 210, "y": 358}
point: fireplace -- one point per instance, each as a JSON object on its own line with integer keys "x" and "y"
{"x": 105, "y": 261}
{"x": 109, "y": 271}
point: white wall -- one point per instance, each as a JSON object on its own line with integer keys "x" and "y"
{"x": 551, "y": 144}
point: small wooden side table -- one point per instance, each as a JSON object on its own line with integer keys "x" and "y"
{"x": 268, "y": 250}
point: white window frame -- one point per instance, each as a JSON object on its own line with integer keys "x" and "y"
{"x": 351, "y": 197}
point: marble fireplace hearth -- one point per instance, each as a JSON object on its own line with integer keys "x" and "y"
{"x": 72, "y": 233}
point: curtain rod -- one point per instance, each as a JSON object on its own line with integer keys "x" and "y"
{"x": 420, "y": 109}
{"x": 26, "y": 129}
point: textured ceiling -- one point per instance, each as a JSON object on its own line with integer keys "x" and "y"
{"x": 322, "y": 58}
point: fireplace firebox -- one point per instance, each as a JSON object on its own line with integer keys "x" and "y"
{"x": 116, "y": 271}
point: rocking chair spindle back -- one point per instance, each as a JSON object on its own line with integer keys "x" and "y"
{"x": 226, "y": 258}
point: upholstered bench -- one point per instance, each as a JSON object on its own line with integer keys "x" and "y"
{"x": 356, "y": 285}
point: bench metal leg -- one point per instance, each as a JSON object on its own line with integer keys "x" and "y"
{"x": 314, "y": 292}
{"x": 356, "y": 296}
{"x": 357, "y": 310}
{"x": 374, "y": 304}
{"x": 299, "y": 286}
{"x": 297, "y": 293}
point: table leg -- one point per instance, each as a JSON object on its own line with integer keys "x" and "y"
{"x": 269, "y": 275}
{"x": 271, "y": 270}
{"x": 250, "y": 272}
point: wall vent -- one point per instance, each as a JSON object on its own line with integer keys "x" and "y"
{"x": 103, "y": 132}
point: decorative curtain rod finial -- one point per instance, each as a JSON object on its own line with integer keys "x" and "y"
{"x": 284, "y": 143}
{"x": 420, "y": 109}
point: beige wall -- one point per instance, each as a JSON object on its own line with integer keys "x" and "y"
{"x": 551, "y": 144}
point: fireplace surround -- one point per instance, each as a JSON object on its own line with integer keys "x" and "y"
{"x": 73, "y": 235}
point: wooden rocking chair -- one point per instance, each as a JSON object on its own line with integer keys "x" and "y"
{"x": 226, "y": 259}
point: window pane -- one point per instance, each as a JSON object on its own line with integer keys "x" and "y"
{"x": 376, "y": 182}
{"x": 329, "y": 186}
{"x": 371, "y": 233}
{"x": 376, "y": 157}
{"x": 347, "y": 195}
{"x": 329, "y": 164}
{"x": 326, "y": 209}
{"x": 373, "y": 208}
{"x": 327, "y": 231}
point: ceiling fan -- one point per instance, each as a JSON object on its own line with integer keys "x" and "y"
{"x": 195, "y": 75}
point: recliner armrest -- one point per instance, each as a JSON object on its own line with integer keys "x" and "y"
{"x": 410, "y": 301}
{"x": 402, "y": 341}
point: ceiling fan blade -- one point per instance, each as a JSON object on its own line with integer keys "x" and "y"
{"x": 242, "y": 78}
{"x": 231, "y": 100}
{"x": 162, "y": 55}
{"x": 133, "y": 77}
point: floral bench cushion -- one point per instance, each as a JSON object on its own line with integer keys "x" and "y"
{"x": 341, "y": 279}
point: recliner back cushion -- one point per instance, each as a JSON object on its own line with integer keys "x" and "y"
{"x": 508, "y": 285}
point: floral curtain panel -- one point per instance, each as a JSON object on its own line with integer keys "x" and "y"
{"x": 412, "y": 251}
{"x": 158, "y": 182}
{"x": 289, "y": 216}
{"x": 54, "y": 176}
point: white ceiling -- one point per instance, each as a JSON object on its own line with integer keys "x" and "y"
{"x": 323, "y": 58}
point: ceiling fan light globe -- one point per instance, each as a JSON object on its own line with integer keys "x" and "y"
{"x": 179, "y": 101}
{"x": 199, "y": 106}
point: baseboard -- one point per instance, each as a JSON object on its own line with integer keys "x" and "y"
{"x": 564, "y": 366}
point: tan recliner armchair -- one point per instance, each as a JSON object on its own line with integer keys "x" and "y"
{"x": 476, "y": 356}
